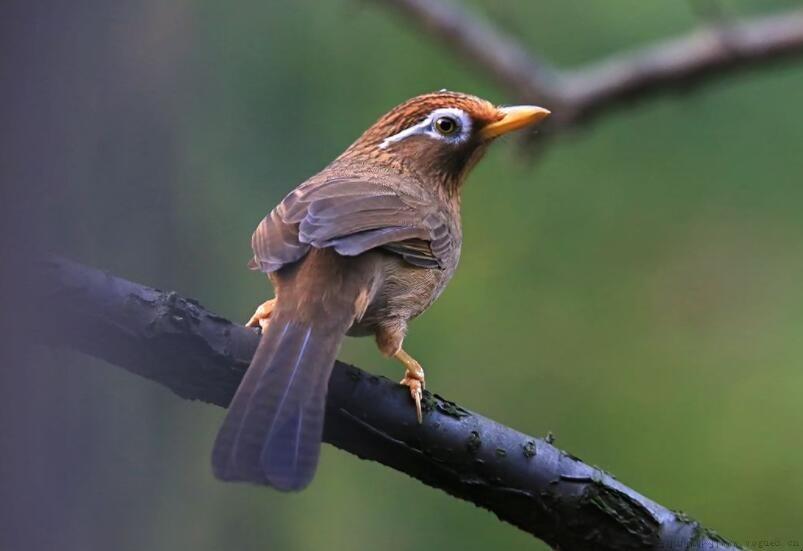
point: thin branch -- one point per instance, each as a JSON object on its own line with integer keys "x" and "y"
{"x": 576, "y": 95}
{"x": 523, "y": 480}
{"x": 502, "y": 57}
{"x": 676, "y": 64}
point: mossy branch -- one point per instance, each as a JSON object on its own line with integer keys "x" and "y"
{"x": 525, "y": 481}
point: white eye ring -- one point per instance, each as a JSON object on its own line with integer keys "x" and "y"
{"x": 427, "y": 127}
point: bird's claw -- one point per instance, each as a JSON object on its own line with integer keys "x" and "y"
{"x": 416, "y": 391}
{"x": 261, "y": 316}
{"x": 413, "y": 378}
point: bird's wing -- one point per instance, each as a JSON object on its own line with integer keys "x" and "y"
{"x": 353, "y": 215}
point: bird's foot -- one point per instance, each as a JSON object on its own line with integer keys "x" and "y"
{"x": 417, "y": 392}
{"x": 414, "y": 379}
{"x": 261, "y": 317}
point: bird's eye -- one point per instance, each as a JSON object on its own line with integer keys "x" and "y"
{"x": 446, "y": 126}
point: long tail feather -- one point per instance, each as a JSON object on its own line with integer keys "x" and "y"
{"x": 272, "y": 432}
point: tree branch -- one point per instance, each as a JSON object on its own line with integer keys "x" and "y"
{"x": 577, "y": 95}
{"x": 507, "y": 61}
{"x": 523, "y": 480}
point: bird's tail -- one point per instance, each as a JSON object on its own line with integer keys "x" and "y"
{"x": 272, "y": 432}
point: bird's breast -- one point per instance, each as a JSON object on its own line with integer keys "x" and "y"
{"x": 403, "y": 293}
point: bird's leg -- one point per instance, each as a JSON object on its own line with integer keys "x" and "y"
{"x": 261, "y": 317}
{"x": 413, "y": 378}
{"x": 389, "y": 339}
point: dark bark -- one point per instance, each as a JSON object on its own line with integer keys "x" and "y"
{"x": 523, "y": 480}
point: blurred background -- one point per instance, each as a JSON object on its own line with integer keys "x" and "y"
{"x": 649, "y": 312}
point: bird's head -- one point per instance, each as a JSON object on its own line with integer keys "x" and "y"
{"x": 439, "y": 136}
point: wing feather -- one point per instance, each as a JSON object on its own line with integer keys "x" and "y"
{"x": 354, "y": 215}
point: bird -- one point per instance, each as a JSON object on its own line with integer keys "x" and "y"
{"x": 359, "y": 249}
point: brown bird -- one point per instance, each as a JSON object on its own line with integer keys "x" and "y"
{"x": 361, "y": 248}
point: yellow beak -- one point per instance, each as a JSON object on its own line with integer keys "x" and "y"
{"x": 513, "y": 118}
